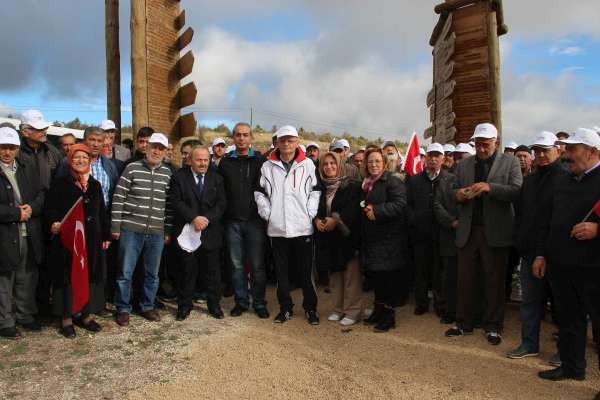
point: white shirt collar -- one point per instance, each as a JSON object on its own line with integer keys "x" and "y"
{"x": 593, "y": 168}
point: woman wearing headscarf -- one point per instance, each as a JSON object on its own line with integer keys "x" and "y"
{"x": 383, "y": 235}
{"x": 62, "y": 195}
{"x": 337, "y": 238}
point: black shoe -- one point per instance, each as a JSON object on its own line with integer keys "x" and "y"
{"x": 159, "y": 305}
{"x": 559, "y": 374}
{"x": 493, "y": 338}
{"x": 91, "y": 325}
{"x": 420, "y": 310}
{"x": 312, "y": 317}
{"x": 33, "y": 326}
{"x": 375, "y": 315}
{"x": 447, "y": 320}
{"x": 456, "y": 331}
{"x": 183, "y": 313}
{"x": 283, "y": 316}
{"x": 440, "y": 312}
{"x": 238, "y": 310}
{"x": 68, "y": 331}
{"x": 228, "y": 292}
{"x": 216, "y": 312}
{"x": 387, "y": 321}
{"x": 262, "y": 312}
{"x": 10, "y": 333}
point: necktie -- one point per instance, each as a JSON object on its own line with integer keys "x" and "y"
{"x": 200, "y": 184}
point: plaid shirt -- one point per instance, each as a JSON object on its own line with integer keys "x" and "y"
{"x": 99, "y": 173}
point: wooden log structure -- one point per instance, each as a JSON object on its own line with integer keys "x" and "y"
{"x": 466, "y": 69}
{"x": 113, "y": 64}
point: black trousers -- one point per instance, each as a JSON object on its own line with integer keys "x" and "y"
{"x": 205, "y": 264}
{"x": 385, "y": 288}
{"x": 428, "y": 274}
{"x": 573, "y": 289}
{"x": 450, "y": 277}
{"x": 291, "y": 254}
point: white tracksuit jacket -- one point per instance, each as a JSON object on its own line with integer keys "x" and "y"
{"x": 288, "y": 201}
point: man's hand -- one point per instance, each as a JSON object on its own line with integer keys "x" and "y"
{"x": 319, "y": 224}
{"x": 330, "y": 224}
{"x": 369, "y": 211}
{"x": 116, "y": 236}
{"x": 480, "y": 188}
{"x": 105, "y": 245}
{"x": 200, "y": 223}
{"x": 25, "y": 212}
{"x": 585, "y": 231}
{"x": 55, "y": 228}
{"x": 462, "y": 195}
{"x": 167, "y": 239}
{"x": 455, "y": 224}
{"x": 538, "y": 269}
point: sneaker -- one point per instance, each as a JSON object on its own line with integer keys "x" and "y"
{"x": 283, "y": 316}
{"x": 347, "y": 321}
{"x": 555, "y": 360}
{"x": 493, "y": 338}
{"x": 334, "y": 317}
{"x": 312, "y": 317}
{"x": 521, "y": 352}
{"x": 456, "y": 331}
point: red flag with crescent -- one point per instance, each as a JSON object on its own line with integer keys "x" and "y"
{"x": 413, "y": 164}
{"x": 72, "y": 235}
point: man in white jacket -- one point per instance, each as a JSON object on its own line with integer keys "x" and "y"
{"x": 288, "y": 200}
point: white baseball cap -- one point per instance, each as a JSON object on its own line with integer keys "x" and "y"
{"x": 312, "y": 144}
{"x": 9, "y": 136}
{"x": 485, "y": 131}
{"x": 422, "y": 151}
{"x": 35, "y": 119}
{"x": 584, "y": 136}
{"x": 449, "y": 148}
{"x": 511, "y": 146}
{"x": 107, "y": 125}
{"x": 545, "y": 140}
{"x": 218, "y": 141}
{"x": 337, "y": 145}
{"x": 159, "y": 138}
{"x": 435, "y": 148}
{"x": 344, "y": 143}
{"x": 286, "y": 130}
{"x": 464, "y": 148}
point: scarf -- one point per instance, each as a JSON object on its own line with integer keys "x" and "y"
{"x": 370, "y": 181}
{"x": 81, "y": 178}
{"x": 332, "y": 184}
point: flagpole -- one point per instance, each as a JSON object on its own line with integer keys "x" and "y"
{"x": 71, "y": 209}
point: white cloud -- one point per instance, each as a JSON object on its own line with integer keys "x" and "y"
{"x": 567, "y": 51}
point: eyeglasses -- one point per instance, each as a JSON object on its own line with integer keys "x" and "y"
{"x": 374, "y": 162}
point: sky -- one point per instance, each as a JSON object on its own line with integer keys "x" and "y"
{"x": 328, "y": 65}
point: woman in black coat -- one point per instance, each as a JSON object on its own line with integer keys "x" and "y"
{"x": 337, "y": 238}
{"x": 384, "y": 237}
{"x": 62, "y": 195}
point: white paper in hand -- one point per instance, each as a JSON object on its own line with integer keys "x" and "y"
{"x": 189, "y": 239}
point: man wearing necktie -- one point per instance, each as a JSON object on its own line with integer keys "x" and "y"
{"x": 198, "y": 198}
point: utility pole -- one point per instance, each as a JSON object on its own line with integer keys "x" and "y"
{"x": 251, "y": 118}
{"x": 113, "y": 64}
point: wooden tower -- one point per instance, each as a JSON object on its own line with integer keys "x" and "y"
{"x": 466, "y": 69}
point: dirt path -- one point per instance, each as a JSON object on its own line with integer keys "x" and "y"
{"x": 248, "y": 358}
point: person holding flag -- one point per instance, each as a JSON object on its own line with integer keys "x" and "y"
{"x": 80, "y": 227}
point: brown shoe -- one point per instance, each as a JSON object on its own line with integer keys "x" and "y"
{"x": 151, "y": 315}
{"x": 123, "y": 318}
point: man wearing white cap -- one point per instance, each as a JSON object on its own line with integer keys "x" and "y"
{"x": 486, "y": 186}
{"x": 510, "y": 148}
{"x": 312, "y": 151}
{"x": 34, "y": 130}
{"x": 218, "y": 151}
{"x": 21, "y": 247}
{"x": 141, "y": 221}
{"x": 342, "y": 147}
{"x": 421, "y": 191}
{"x": 568, "y": 251}
{"x": 119, "y": 152}
{"x": 462, "y": 151}
{"x": 449, "y": 150}
{"x": 537, "y": 189}
{"x": 288, "y": 200}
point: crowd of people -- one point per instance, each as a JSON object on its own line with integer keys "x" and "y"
{"x": 453, "y": 235}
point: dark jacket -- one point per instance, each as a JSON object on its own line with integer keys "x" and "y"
{"x": 187, "y": 203}
{"x": 571, "y": 201}
{"x": 240, "y": 177}
{"x": 32, "y": 193}
{"x": 384, "y": 241}
{"x": 46, "y": 159}
{"x": 334, "y": 249}
{"x": 445, "y": 209}
{"x": 62, "y": 195}
{"x": 538, "y": 188}
{"x": 109, "y": 166}
{"x": 421, "y": 192}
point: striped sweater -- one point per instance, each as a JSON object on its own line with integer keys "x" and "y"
{"x": 140, "y": 202}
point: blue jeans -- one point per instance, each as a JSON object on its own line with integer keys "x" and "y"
{"x": 131, "y": 246}
{"x": 246, "y": 243}
{"x": 532, "y": 305}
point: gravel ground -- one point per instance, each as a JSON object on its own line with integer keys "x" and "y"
{"x": 248, "y": 358}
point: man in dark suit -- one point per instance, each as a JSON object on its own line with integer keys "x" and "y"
{"x": 485, "y": 188}
{"x": 197, "y": 195}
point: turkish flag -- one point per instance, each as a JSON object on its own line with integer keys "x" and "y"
{"x": 72, "y": 235}
{"x": 597, "y": 208}
{"x": 413, "y": 164}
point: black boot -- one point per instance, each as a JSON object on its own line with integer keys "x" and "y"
{"x": 375, "y": 315}
{"x": 387, "y": 321}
